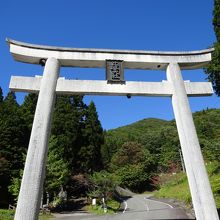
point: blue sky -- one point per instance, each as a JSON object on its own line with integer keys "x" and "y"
{"x": 117, "y": 24}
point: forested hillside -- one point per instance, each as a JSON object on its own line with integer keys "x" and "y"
{"x": 160, "y": 138}
{"x": 84, "y": 160}
{"x": 160, "y": 141}
{"x": 74, "y": 145}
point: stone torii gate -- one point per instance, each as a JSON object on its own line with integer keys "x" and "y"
{"x": 49, "y": 84}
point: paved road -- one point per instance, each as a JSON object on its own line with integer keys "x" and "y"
{"x": 139, "y": 207}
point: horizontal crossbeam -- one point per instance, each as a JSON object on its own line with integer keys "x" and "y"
{"x": 100, "y": 87}
{"x": 96, "y": 58}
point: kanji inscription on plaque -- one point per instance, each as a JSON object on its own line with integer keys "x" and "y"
{"x": 114, "y": 71}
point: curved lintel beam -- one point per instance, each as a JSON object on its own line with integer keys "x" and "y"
{"x": 86, "y": 57}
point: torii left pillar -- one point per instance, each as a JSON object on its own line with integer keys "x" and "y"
{"x": 34, "y": 171}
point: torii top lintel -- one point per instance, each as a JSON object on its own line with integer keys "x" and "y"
{"x": 86, "y": 57}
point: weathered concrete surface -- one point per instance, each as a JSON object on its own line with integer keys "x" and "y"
{"x": 98, "y": 87}
{"x": 133, "y": 59}
{"x": 202, "y": 197}
{"x": 33, "y": 177}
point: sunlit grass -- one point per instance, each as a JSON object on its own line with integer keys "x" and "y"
{"x": 176, "y": 186}
{"x": 112, "y": 207}
{"x": 6, "y": 214}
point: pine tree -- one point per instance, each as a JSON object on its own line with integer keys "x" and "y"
{"x": 57, "y": 168}
{"x": 213, "y": 69}
{"x": 93, "y": 136}
{"x": 1, "y": 95}
{"x": 28, "y": 109}
{"x": 13, "y": 143}
{"x": 216, "y": 19}
{"x": 68, "y": 121}
{"x": 4, "y": 181}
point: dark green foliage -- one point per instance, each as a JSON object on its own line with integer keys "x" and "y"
{"x": 131, "y": 153}
{"x": 216, "y": 19}
{"x": 213, "y": 69}
{"x": 4, "y": 181}
{"x": 110, "y": 147}
{"x": 134, "y": 166}
{"x": 160, "y": 138}
{"x": 134, "y": 177}
{"x": 13, "y": 143}
{"x": 79, "y": 136}
{"x": 26, "y": 112}
{"x": 79, "y": 133}
{"x": 143, "y": 132}
{"x": 68, "y": 121}
{"x": 103, "y": 185}
{"x": 13, "y": 139}
{"x": 57, "y": 172}
{"x": 28, "y": 109}
{"x": 74, "y": 146}
{"x": 93, "y": 139}
{"x": 169, "y": 157}
{"x": 15, "y": 185}
{"x": 154, "y": 134}
{"x": 1, "y": 95}
{"x": 208, "y": 128}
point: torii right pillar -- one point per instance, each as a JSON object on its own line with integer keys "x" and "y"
{"x": 202, "y": 197}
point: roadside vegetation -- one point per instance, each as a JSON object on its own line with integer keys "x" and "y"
{"x": 176, "y": 185}
{"x": 6, "y": 214}
{"x": 9, "y": 215}
{"x": 112, "y": 206}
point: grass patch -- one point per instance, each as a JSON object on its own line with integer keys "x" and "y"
{"x": 45, "y": 217}
{"x": 176, "y": 186}
{"x": 112, "y": 207}
{"x": 6, "y": 214}
{"x": 97, "y": 209}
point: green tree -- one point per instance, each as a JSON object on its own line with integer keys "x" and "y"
{"x": 136, "y": 177}
{"x": 131, "y": 153}
{"x": 169, "y": 159}
{"x": 93, "y": 139}
{"x": 1, "y": 95}
{"x": 146, "y": 132}
{"x": 28, "y": 109}
{"x": 103, "y": 185}
{"x": 68, "y": 122}
{"x": 4, "y": 182}
{"x": 13, "y": 139}
{"x": 213, "y": 69}
{"x": 57, "y": 168}
{"x": 111, "y": 145}
{"x": 208, "y": 127}
{"x": 13, "y": 142}
{"x": 134, "y": 165}
{"x": 15, "y": 185}
{"x": 216, "y": 19}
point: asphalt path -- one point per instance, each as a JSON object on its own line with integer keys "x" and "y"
{"x": 138, "y": 207}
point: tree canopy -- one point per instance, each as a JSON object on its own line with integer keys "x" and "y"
{"x": 213, "y": 69}
{"x": 74, "y": 146}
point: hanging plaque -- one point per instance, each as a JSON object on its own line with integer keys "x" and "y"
{"x": 114, "y": 71}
